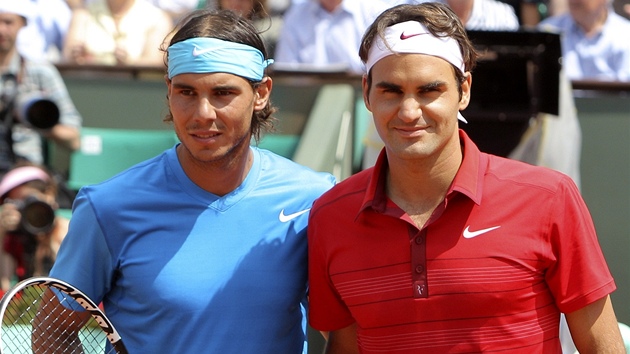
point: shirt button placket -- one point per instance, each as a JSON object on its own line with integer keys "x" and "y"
{"x": 418, "y": 264}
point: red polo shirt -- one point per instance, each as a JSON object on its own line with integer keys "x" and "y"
{"x": 511, "y": 246}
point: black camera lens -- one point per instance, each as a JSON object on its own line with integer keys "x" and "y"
{"x": 42, "y": 114}
{"x": 37, "y": 216}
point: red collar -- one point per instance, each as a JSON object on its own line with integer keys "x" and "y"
{"x": 468, "y": 180}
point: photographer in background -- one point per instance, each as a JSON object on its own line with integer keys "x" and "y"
{"x": 25, "y": 127}
{"x": 30, "y": 232}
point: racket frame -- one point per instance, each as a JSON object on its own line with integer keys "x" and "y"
{"x": 90, "y": 306}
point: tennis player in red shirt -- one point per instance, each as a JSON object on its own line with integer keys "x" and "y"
{"x": 439, "y": 247}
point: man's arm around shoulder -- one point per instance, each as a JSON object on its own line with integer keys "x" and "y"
{"x": 594, "y": 328}
{"x": 343, "y": 341}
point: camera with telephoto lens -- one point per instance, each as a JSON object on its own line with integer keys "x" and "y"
{"x": 33, "y": 109}
{"x": 37, "y": 111}
{"x": 37, "y": 216}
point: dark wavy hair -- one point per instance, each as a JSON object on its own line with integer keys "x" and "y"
{"x": 227, "y": 26}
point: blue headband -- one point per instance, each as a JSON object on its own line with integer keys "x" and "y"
{"x": 212, "y": 55}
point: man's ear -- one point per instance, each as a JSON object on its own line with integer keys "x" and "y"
{"x": 466, "y": 87}
{"x": 263, "y": 93}
{"x": 168, "y": 85}
{"x": 366, "y": 90}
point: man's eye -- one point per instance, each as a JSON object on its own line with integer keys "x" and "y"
{"x": 390, "y": 90}
{"x": 432, "y": 88}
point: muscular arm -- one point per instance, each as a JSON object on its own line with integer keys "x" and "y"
{"x": 594, "y": 328}
{"x": 343, "y": 341}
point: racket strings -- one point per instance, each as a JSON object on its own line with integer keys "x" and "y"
{"x": 37, "y": 324}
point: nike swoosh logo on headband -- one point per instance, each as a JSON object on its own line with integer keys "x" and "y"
{"x": 404, "y": 36}
{"x": 196, "y": 51}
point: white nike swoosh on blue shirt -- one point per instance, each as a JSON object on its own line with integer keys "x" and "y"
{"x": 285, "y": 218}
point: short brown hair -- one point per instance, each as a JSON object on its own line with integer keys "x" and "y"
{"x": 438, "y": 18}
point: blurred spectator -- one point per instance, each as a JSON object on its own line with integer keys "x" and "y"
{"x": 30, "y": 231}
{"x": 177, "y": 9}
{"x": 75, "y": 4}
{"x": 557, "y": 7}
{"x": 44, "y": 34}
{"x": 488, "y": 15}
{"x": 34, "y": 101}
{"x": 257, "y": 11}
{"x": 278, "y": 7}
{"x": 527, "y": 11}
{"x": 325, "y": 33}
{"x": 117, "y": 32}
{"x": 594, "y": 46}
{"x": 531, "y": 12}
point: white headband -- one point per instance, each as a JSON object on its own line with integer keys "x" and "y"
{"x": 412, "y": 37}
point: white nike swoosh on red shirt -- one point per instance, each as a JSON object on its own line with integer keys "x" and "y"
{"x": 470, "y": 234}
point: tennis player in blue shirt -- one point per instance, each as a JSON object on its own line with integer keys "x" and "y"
{"x": 202, "y": 249}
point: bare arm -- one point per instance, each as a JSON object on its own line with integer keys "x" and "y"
{"x": 594, "y": 328}
{"x": 343, "y": 341}
{"x": 74, "y": 45}
{"x": 65, "y": 135}
{"x": 64, "y": 338}
{"x": 160, "y": 32}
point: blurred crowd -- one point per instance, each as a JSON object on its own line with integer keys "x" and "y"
{"x": 307, "y": 33}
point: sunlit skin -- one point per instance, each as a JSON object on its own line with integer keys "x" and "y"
{"x": 414, "y": 101}
{"x": 212, "y": 116}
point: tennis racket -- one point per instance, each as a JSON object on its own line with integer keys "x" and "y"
{"x": 45, "y": 315}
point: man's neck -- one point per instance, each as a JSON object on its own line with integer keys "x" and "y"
{"x": 6, "y": 57}
{"x": 592, "y": 24}
{"x": 418, "y": 187}
{"x": 219, "y": 177}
